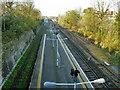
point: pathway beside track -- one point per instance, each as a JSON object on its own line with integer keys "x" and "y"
{"x": 46, "y": 69}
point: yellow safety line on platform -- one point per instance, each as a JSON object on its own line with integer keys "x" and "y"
{"x": 41, "y": 65}
{"x": 73, "y": 67}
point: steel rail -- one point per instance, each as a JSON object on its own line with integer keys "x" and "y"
{"x": 85, "y": 57}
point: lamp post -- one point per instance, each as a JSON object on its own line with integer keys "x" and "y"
{"x": 47, "y": 84}
{"x": 58, "y": 55}
{"x": 53, "y": 40}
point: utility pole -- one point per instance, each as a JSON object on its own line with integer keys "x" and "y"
{"x": 57, "y": 51}
{"x": 58, "y": 55}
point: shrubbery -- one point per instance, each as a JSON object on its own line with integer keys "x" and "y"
{"x": 17, "y": 18}
{"x": 96, "y": 24}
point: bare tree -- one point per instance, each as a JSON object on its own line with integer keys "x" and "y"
{"x": 115, "y": 4}
{"x": 102, "y": 8}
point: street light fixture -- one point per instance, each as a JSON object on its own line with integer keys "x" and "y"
{"x": 47, "y": 84}
{"x": 58, "y": 55}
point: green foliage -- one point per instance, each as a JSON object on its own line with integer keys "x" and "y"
{"x": 70, "y": 19}
{"x": 116, "y": 60}
{"x": 17, "y": 18}
{"x": 95, "y": 24}
{"x": 81, "y": 35}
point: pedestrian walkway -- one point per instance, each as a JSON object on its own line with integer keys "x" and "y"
{"x": 50, "y": 72}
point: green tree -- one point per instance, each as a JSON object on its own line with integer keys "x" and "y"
{"x": 118, "y": 28}
{"x": 61, "y": 20}
{"x": 96, "y": 24}
{"x": 88, "y": 23}
{"x": 18, "y": 17}
{"x": 71, "y": 19}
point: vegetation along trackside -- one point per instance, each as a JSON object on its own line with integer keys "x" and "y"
{"x": 21, "y": 75}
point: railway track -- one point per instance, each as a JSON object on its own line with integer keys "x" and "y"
{"x": 92, "y": 67}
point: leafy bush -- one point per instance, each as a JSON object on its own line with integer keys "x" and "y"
{"x": 17, "y": 18}
{"x": 96, "y": 24}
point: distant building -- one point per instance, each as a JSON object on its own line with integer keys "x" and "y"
{"x": 111, "y": 16}
{"x": 45, "y": 20}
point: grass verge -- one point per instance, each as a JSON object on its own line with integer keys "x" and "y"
{"x": 102, "y": 54}
{"x": 21, "y": 75}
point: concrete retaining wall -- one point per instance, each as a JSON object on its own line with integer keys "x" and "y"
{"x": 12, "y": 52}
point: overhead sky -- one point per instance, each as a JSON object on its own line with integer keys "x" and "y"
{"x": 56, "y": 7}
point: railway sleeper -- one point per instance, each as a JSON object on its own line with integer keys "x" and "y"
{"x": 97, "y": 71}
{"x": 91, "y": 79}
{"x": 98, "y": 85}
{"x": 84, "y": 67}
{"x": 86, "y": 70}
{"x": 91, "y": 76}
{"x": 89, "y": 73}
{"x": 101, "y": 67}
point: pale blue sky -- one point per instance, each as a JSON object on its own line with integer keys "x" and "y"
{"x": 55, "y": 7}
